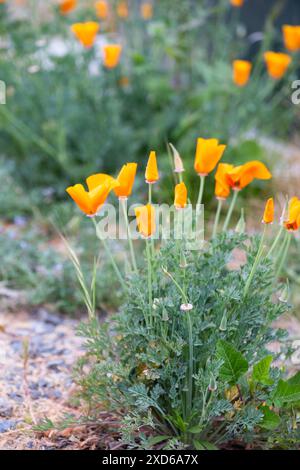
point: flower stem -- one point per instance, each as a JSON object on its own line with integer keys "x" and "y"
{"x": 256, "y": 262}
{"x": 286, "y": 242}
{"x": 275, "y": 242}
{"x": 150, "y": 300}
{"x": 132, "y": 254}
{"x": 201, "y": 191}
{"x": 230, "y": 210}
{"x": 191, "y": 361}
{"x": 217, "y": 217}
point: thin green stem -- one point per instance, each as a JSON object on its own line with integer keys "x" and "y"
{"x": 149, "y": 193}
{"x": 191, "y": 361}
{"x": 256, "y": 262}
{"x": 150, "y": 300}
{"x": 132, "y": 253}
{"x": 230, "y": 210}
{"x": 217, "y": 217}
{"x": 184, "y": 297}
{"x": 201, "y": 191}
{"x": 275, "y": 242}
{"x": 287, "y": 242}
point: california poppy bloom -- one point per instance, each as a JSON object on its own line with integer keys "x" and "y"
{"x": 237, "y": 3}
{"x": 66, "y": 6}
{"x": 151, "y": 174}
{"x": 99, "y": 187}
{"x": 293, "y": 221}
{"x": 102, "y": 9}
{"x": 145, "y": 217}
{"x": 126, "y": 180}
{"x": 222, "y": 188}
{"x": 146, "y": 10}
{"x": 241, "y": 72}
{"x": 112, "y": 54}
{"x": 208, "y": 154}
{"x": 277, "y": 63}
{"x": 180, "y": 196}
{"x": 86, "y": 32}
{"x": 268, "y": 217}
{"x": 122, "y": 9}
{"x": 240, "y": 176}
{"x": 291, "y": 37}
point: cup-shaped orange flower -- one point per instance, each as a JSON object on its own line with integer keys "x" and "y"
{"x": 208, "y": 154}
{"x": 126, "y": 180}
{"x": 268, "y": 217}
{"x": 146, "y": 10}
{"x": 222, "y": 187}
{"x": 180, "y": 199}
{"x": 291, "y": 37}
{"x": 66, "y": 6}
{"x": 241, "y": 72}
{"x": 145, "y": 217}
{"x": 293, "y": 221}
{"x": 122, "y": 9}
{"x": 91, "y": 201}
{"x": 151, "y": 174}
{"x": 86, "y": 32}
{"x": 112, "y": 54}
{"x": 240, "y": 176}
{"x": 237, "y": 3}
{"x": 277, "y": 64}
{"x": 102, "y": 9}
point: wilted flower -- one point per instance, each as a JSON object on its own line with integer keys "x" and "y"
{"x": 145, "y": 217}
{"x": 151, "y": 174}
{"x": 241, "y": 176}
{"x": 86, "y": 32}
{"x": 277, "y": 63}
{"x": 208, "y": 154}
{"x": 180, "y": 196}
{"x": 99, "y": 187}
{"x": 291, "y": 37}
{"x": 268, "y": 217}
{"x": 112, "y": 54}
{"x": 241, "y": 72}
{"x": 178, "y": 164}
{"x": 126, "y": 180}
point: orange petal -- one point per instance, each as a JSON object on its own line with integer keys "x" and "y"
{"x": 180, "y": 196}
{"x": 126, "y": 179}
{"x": 81, "y": 197}
{"x": 151, "y": 174}
{"x": 145, "y": 216}
{"x": 222, "y": 188}
{"x": 97, "y": 180}
{"x": 208, "y": 154}
{"x": 268, "y": 217}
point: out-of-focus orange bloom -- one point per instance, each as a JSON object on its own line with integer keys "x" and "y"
{"x": 293, "y": 221}
{"x": 151, "y": 174}
{"x": 268, "y": 217}
{"x": 122, "y": 9}
{"x": 66, "y": 6}
{"x": 291, "y": 37}
{"x": 86, "y": 32}
{"x": 92, "y": 200}
{"x": 240, "y": 176}
{"x": 124, "y": 82}
{"x": 146, "y": 10}
{"x": 208, "y": 154}
{"x": 102, "y": 9}
{"x": 126, "y": 180}
{"x": 241, "y": 72}
{"x": 237, "y": 3}
{"x": 277, "y": 63}
{"x": 180, "y": 196}
{"x": 145, "y": 217}
{"x": 222, "y": 188}
{"x": 112, "y": 54}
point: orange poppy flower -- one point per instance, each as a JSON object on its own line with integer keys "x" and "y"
{"x": 293, "y": 221}
{"x": 122, "y": 9}
{"x": 268, "y": 217}
{"x": 126, "y": 180}
{"x": 208, "y": 154}
{"x": 237, "y": 3}
{"x": 241, "y": 176}
{"x": 99, "y": 187}
{"x": 112, "y": 54}
{"x": 145, "y": 217}
{"x": 222, "y": 188}
{"x": 241, "y": 72}
{"x": 151, "y": 174}
{"x": 277, "y": 63}
{"x": 86, "y": 32}
{"x": 66, "y": 6}
{"x": 102, "y": 9}
{"x": 180, "y": 196}
{"x": 146, "y": 10}
{"x": 291, "y": 37}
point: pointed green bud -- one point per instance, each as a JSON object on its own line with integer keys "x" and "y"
{"x": 212, "y": 384}
{"x": 223, "y": 324}
{"x": 285, "y": 293}
{"x": 241, "y": 225}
